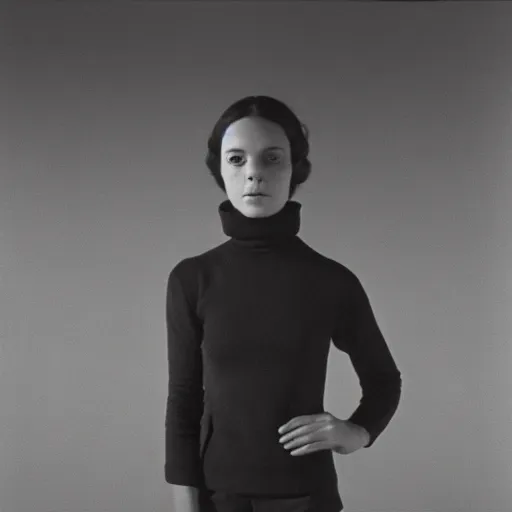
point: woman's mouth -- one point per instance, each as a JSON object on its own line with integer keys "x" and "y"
{"x": 254, "y": 197}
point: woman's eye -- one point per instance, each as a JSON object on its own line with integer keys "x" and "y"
{"x": 230, "y": 159}
{"x": 237, "y": 159}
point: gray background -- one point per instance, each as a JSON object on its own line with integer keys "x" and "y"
{"x": 106, "y": 112}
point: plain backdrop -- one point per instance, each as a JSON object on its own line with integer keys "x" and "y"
{"x": 106, "y": 110}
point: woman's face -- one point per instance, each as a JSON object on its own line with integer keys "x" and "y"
{"x": 256, "y": 157}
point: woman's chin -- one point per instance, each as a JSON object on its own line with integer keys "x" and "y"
{"x": 255, "y": 211}
{"x": 264, "y": 207}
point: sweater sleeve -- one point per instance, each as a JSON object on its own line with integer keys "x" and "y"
{"x": 185, "y": 393}
{"x": 358, "y": 334}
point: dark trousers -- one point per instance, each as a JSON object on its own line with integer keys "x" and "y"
{"x": 220, "y": 501}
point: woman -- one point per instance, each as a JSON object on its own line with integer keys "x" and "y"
{"x": 249, "y": 326}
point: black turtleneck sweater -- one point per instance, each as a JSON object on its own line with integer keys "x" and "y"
{"x": 249, "y": 327}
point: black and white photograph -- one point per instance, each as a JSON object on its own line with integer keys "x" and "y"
{"x": 256, "y": 256}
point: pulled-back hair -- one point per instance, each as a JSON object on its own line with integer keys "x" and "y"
{"x": 272, "y": 110}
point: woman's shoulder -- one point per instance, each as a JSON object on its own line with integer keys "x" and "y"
{"x": 189, "y": 269}
{"x": 335, "y": 267}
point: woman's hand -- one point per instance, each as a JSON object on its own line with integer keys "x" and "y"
{"x": 186, "y": 498}
{"x": 314, "y": 432}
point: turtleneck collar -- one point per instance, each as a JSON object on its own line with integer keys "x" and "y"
{"x": 261, "y": 233}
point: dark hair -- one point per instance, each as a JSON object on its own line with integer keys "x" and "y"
{"x": 275, "y": 111}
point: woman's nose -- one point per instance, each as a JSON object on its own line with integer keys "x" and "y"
{"x": 255, "y": 171}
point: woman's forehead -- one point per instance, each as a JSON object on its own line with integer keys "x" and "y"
{"x": 254, "y": 133}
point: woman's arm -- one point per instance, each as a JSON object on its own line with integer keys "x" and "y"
{"x": 185, "y": 401}
{"x": 359, "y": 336}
